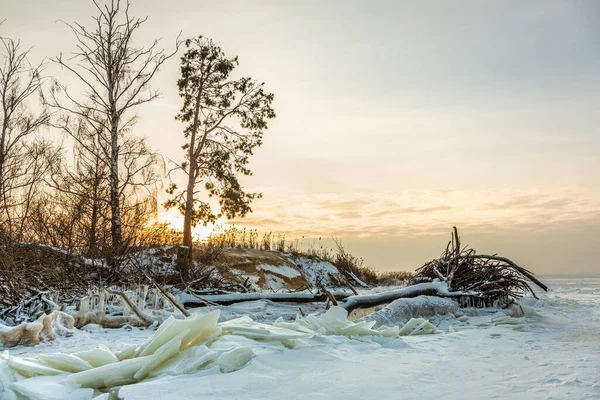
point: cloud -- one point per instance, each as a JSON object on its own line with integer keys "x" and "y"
{"x": 396, "y": 214}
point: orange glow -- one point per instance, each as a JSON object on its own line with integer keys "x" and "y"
{"x": 200, "y": 232}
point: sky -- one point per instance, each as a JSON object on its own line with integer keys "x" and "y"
{"x": 397, "y": 120}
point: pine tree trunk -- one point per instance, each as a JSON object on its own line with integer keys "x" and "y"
{"x": 186, "y": 265}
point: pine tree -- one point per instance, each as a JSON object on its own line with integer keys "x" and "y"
{"x": 225, "y": 120}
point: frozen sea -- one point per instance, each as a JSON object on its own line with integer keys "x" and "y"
{"x": 556, "y": 355}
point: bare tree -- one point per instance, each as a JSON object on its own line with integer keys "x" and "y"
{"x": 21, "y": 160}
{"x": 116, "y": 75}
{"x": 84, "y": 187}
{"x": 226, "y": 118}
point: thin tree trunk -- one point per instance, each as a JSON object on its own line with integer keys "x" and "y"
{"x": 3, "y": 144}
{"x": 115, "y": 209}
{"x": 115, "y": 220}
{"x": 93, "y": 226}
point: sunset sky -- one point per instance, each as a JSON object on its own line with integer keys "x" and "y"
{"x": 397, "y": 119}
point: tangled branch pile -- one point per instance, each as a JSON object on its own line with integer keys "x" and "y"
{"x": 485, "y": 280}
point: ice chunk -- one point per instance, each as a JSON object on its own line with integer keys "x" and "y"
{"x": 128, "y": 351}
{"x": 528, "y": 301}
{"x": 424, "y": 328}
{"x": 166, "y": 351}
{"x": 335, "y": 314}
{"x": 110, "y": 375}
{"x": 524, "y": 309}
{"x": 6, "y": 379}
{"x": 97, "y": 357}
{"x": 186, "y": 362}
{"x": 412, "y": 325}
{"x": 391, "y": 332}
{"x": 104, "y": 396}
{"x": 360, "y": 329}
{"x": 65, "y": 362}
{"x": 206, "y": 340}
{"x": 334, "y": 320}
{"x": 235, "y": 359}
{"x": 49, "y": 388}
{"x": 30, "y": 367}
{"x": 245, "y": 326}
{"x": 200, "y": 327}
{"x": 528, "y": 311}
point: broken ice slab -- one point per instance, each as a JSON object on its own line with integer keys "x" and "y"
{"x": 97, "y": 357}
{"x": 29, "y": 367}
{"x": 235, "y": 359}
{"x": 200, "y": 327}
{"x": 49, "y": 388}
{"x": 65, "y": 362}
{"x": 110, "y": 375}
{"x": 165, "y": 352}
{"x": 244, "y": 326}
{"x": 186, "y": 362}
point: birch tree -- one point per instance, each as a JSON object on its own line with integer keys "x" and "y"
{"x": 225, "y": 120}
{"x": 116, "y": 75}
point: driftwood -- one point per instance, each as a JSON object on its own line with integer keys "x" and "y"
{"x": 422, "y": 289}
{"x": 142, "y": 317}
{"x": 29, "y": 310}
{"x": 167, "y": 296}
{"x": 228, "y": 299}
{"x": 329, "y": 295}
{"x": 489, "y": 279}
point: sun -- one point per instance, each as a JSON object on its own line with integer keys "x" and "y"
{"x": 175, "y": 221}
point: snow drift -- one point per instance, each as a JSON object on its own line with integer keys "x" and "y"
{"x": 402, "y": 310}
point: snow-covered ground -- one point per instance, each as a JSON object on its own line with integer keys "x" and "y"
{"x": 552, "y": 355}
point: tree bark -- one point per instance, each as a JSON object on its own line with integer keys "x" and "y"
{"x": 421, "y": 289}
{"x": 112, "y": 79}
{"x": 189, "y": 200}
{"x": 115, "y": 208}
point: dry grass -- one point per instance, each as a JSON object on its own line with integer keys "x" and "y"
{"x": 234, "y": 237}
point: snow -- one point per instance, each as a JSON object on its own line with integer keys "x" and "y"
{"x": 282, "y": 270}
{"x": 316, "y": 271}
{"x": 235, "y": 359}
{"x": 475, "y": 354}
{"x": 402, "y": 310}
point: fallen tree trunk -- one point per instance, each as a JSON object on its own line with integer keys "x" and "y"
{"x": 438, "y": 289}
{"x": 189, "y": 301}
